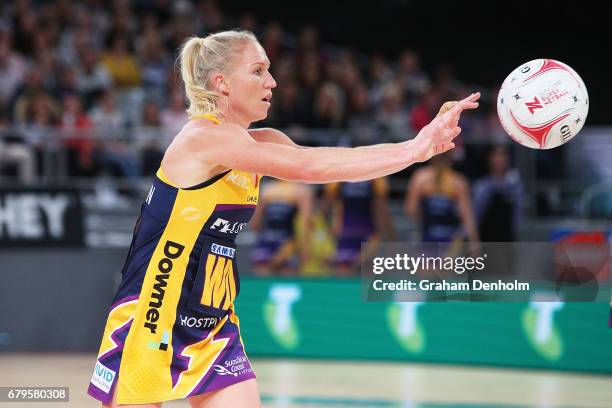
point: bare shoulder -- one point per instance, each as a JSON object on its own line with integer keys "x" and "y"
{"x": 460, "y": 181}
{"x": 196, "y": 137}
{"x": 185, "y": 161}
{"x": 422, "y": 175}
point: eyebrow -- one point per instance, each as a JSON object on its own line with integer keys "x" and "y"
{"x": 264, "y": 63}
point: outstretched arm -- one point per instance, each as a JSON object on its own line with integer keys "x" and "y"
{"x": 231, "y": 146}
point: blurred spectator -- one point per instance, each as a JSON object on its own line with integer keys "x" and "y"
{"x": 116, "y": 153}
{"x": 107, "y": 118}
{"x": 174, "y": 117}
{"x": 40, "y": 113}
{"x": 329, "y": 107}
{"x": 155, "y": 67}
{"x": 359, "y": 213}
{"x": 308, "y": 46}
{"x": 91, "y": 76}
{"x": 498, "y": 199}
{"x": 121, "y": 64}
{"x": 392, "y": 118}
{"x": 126, "y": 75}
{"x": 424, "y": 112}
{"x": 15, "y": 154}
{"x": 23, "y": 32}
{"x": 361, "y": 124}
{"x": 287, "y": 109}
{"x": 414, "y": 81}
{"x": 272, "y": 41}
{"x": 282, "y": 205}
{"x": 149, "y": 138}
{"x": 78, "y": 138}
{"x": 438, "y": 198}
{"x": 67, "y": 83}
{"x": 13, "y": 68}
{"x": 379, "y": 76}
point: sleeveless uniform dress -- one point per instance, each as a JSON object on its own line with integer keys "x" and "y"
{"x": 172, "y": 331}
{"x": 357, "y": 216}
{"x": 440, "y": 222}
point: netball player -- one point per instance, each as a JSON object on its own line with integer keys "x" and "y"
{"x": 360, "y": 213}
{"x": 172, "y": 331}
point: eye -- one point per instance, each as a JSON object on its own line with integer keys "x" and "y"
{"x": 258, "y": 71}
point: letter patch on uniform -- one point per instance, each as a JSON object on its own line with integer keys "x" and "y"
{"x": 103, "y": 377}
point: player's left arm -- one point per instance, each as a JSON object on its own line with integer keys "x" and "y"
{"x": 270, "y": 135}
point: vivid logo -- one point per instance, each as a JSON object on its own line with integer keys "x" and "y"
{"x": 533, "y": 105}
{"x": 103, "y": 377}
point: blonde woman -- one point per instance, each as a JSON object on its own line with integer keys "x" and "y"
{"x": 172, "y": 331}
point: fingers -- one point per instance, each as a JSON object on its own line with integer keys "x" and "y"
{"x": 446, "y": 107}
{"x": 444, "y": 147}
{"x": 470, "y": 101}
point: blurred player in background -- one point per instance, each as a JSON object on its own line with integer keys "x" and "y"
{"x": 498, "y": 199}
{"x": 281, "y": 206}
{"x": 359, "y": 214}
{"x": 439, "y": 198}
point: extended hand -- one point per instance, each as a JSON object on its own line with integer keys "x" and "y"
{"x": 437, "y": 137}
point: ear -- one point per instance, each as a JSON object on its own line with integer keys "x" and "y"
{"x": 220, "y": 83}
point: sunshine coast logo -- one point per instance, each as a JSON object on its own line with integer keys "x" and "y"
{"x": 234, "y": 367}
{"x": 223, "y": 371}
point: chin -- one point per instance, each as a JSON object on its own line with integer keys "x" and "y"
{"x": 261, "y": 116}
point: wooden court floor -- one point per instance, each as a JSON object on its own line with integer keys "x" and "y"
{"x": 318, "y": 383}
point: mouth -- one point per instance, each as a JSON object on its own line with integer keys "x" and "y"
{"x": 267, "y": 98}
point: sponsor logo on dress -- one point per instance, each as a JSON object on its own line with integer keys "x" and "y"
{"x": 239, "y": 179}
{"x": 103, "y": 377}
{"x": 226, "y": 227}
{"x": 235, "y": 367}
{"x": 199, "y": 322}
{"x": 222, "y": 250}
{"x": 172, "y": 251}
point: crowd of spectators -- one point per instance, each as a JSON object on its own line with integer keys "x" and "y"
{"x": 92, "y": 85}
{"x": 90, "y": 88}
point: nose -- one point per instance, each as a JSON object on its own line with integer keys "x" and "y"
{"x": 270, "y": 82}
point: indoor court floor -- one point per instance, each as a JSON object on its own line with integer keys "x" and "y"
{"x": 329, "y": 383}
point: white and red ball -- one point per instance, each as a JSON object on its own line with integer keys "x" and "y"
{"x": 543, "y": 104}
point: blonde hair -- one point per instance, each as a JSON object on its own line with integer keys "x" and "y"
{"x": 200, "y": 57}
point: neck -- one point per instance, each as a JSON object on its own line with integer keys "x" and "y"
{"x": 237, "y": 119}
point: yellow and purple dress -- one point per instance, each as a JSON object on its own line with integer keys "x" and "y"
{"x": 172, "y": 331}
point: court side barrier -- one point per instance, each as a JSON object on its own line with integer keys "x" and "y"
{"x": 326, "y": 318}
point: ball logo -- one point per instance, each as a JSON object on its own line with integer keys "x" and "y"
{"x": 525, "y": 69}
{"x": 566, "y": 133}
{"x": 533, "y": 105}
